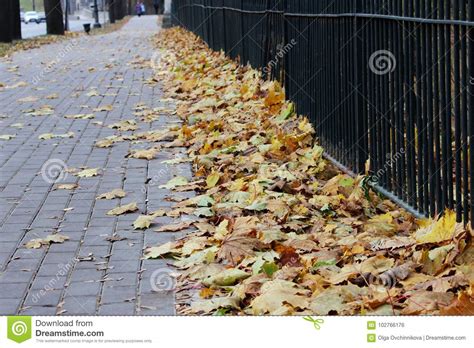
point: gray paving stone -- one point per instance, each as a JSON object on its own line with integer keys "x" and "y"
{"x": 39, "y": 310}
{"x": 118, "y": 294}
{"x": 43, "y": 297}
{"x": 126, "y": 308}
{"x": 83, "y": 289}
{"x": 80, "y": 305}
{"x": 52, "y": 282}
{"x": 9, "y": 306}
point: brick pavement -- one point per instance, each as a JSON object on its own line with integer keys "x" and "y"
{"x": 89, "y": 274}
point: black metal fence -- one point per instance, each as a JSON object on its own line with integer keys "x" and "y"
{"x": 388, "y": 84}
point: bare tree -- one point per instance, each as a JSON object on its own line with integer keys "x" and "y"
{"x": 54, "y": 17}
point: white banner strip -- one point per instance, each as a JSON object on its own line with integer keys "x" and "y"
{"x": 237, "y": 332}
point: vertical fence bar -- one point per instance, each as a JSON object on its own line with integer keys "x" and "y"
{"x": 464, "y": 113}
{"x": 471, "y": 104}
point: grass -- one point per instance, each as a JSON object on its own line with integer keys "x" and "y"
{"x": 27, "y": 5}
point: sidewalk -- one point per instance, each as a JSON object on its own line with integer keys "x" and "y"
{"x": 99, "y": 270}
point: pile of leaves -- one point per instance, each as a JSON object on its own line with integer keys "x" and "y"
{"x": 6, "y": 49}
{"x": 279, "y": 230}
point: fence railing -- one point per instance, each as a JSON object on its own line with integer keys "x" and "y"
{"x": 388, "y": 84}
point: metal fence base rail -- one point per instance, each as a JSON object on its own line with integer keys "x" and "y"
{"x": 386, "y": 83}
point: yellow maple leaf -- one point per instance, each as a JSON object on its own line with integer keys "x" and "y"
{"x": 212, "y": 179}
{"x": 437, "y": 231}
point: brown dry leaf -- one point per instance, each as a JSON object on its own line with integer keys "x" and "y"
{"x": 126, "y": 125}
{"x": 144, "y": 221}
{"x": 52, "y": 238}
{"x": 66, "y": 186}
{"x": 80, "y": 116}
{"x": 47, "y": 136}
{"x": 104, "y": 108}
{"x": 235, "y": 247}
{"x": 174, "y": 227}
{"x": 144, "y": 154}
{"x": 423, "y": 302}
{"x": 117, "y": 193}
{"x": 127, "y": 208}
{"x": 463, "y": 305}
{"x": 277, "y": 294}
{"x": 87, "y": 173}
{"x": 162, "y": 250}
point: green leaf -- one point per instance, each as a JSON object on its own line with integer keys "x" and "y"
{"x": 205, "y": 201}
{"x": 257, "y": 206}
{"x": 323, "y": 263}
{"x": 206, "y": 212}
{"x": 346, "y": 182}
{"x": 226, "y": 278}
{"x": 175, "y": 182}
{"x": 286, "y": 113}
{"x": 269, "y": 268}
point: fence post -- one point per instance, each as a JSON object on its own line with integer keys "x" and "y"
{"x": 471, "y": 106}
{"x": 285, "y": 42}
{"x": 359, "y": 110}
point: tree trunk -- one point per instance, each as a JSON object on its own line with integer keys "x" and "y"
{"x": 15, "y": 19}
{"x": 111, "y": 11}
{"x": 5, "y": 23}
{"x": 54, "y": 17}
{"x": 119, "y": 9}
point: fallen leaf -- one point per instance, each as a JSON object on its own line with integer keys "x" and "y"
{"x": 438, "y": 231}
{"x": 275, "y": 294}
{"x": 162, "y": 250}
{"x": 174, "y": 227}
{"x": 66, "y": 186}
{"x": 104, "y": 108}
{"x": 128, "y": 208}
{"x": 47, "y": 136}
{"x": 117, "y": 193}
{"x": 80, "y": 116}
{"x": 52, "y": 238}
{"x": 87, "y": 173}
{"x": 144, "y": 154}
{"x": 175, "y": 182}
